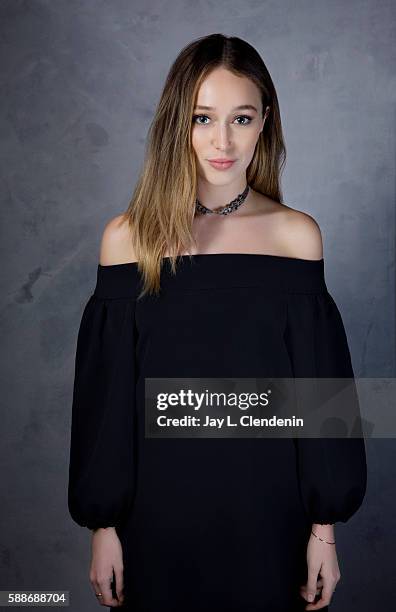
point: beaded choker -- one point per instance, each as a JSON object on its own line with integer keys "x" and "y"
{"x": 225, "y": 210}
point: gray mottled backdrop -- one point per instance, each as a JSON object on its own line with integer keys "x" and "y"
{"x": 79, "y": 83}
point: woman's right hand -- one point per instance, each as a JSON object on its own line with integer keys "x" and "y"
{"x": 106, "y": 558}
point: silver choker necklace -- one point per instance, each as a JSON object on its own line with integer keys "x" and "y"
{"x": 225, "y": 210}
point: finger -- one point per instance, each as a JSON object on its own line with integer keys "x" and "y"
{"x": 104, "y": 587}
{"x": 310, "y": 587}
{"x": 97, "y": 592}
{"x": 319, "y": 584}
{"x": 324, "y": 599}
{"x": 329, "y": 586}
{"x": 318, "y": 605}
{"x": 303, "y": 589}
{"x": 119, "y": 581}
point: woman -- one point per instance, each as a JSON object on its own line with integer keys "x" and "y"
{"x": 209, "y": 524}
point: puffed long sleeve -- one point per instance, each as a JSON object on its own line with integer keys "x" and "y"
{"x": 101, "y": 469}
{"x": 332, "y": 471}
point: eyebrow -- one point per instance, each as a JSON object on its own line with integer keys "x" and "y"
{"x": 241, "y": 107}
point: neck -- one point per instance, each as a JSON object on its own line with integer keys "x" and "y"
{"x": 216, "y": 196}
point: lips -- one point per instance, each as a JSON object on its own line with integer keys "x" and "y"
{"x": 221, "y": 164}
{"x": 222, "y": 160}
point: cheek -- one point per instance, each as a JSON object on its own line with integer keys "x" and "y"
{"x": 198, "y": 139}
{"x": 250, "y": 139}
{"x": 248, "y": 143}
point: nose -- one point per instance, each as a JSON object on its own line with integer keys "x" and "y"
{"x": 221, "y": 136}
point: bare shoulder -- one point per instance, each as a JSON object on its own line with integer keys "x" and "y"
{"x": 300, "y": 234}
{"x": 116, "y": 244}
{"x": 297, "y": 234}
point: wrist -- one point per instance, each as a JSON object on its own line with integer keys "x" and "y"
{"x": 323, "y": 530}
{"x": 97, "y": 529}
{"x": 324, "y": 533}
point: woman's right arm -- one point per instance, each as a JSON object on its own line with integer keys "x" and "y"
{"x": 102, "y": 464}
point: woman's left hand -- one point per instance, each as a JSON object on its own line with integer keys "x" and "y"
{"x": 321, "y": 558}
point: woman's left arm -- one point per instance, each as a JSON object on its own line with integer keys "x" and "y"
{"x": 332, "y": 471}
{"x": 322, "y": 561}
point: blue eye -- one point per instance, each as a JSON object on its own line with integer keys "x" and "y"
{"x": 247, "y": 117}
{"x": 198, "y": 117}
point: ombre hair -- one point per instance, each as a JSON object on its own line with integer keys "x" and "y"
{"x": 161, "y": 211}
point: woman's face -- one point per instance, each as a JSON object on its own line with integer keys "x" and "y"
{"x": 221, "y": 129}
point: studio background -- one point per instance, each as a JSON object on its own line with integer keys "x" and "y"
{"x": 79, "y": 84}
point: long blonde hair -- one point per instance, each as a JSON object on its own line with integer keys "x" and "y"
{"x": 161, "y": 211}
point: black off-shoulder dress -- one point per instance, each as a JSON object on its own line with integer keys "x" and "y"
{"x": 208, "y": 524}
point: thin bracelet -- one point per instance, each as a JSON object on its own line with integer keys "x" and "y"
{"x": 316, "y": 536}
